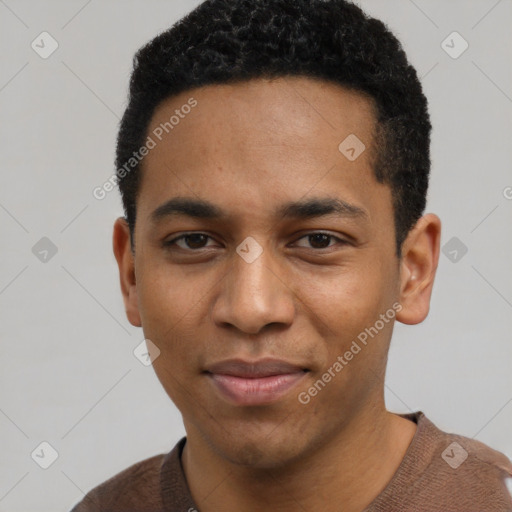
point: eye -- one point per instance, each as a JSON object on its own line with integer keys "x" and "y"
{"x": 196, "y": 241}
{"x": 192, "y": 241}
{"x": 319, "y": 240}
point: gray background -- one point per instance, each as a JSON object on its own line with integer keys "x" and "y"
{"x": 68, "y": 375}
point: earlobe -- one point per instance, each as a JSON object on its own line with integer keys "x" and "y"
{"x": 121, "y": 241}
{"x": 420, "y": 257}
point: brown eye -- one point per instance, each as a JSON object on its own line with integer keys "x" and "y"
{"x": 192, "y": 241}
{"x": 195, "y": 241}
{"x": 321, "y": 240}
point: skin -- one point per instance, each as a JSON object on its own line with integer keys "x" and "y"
{"x": 249, "y": 148}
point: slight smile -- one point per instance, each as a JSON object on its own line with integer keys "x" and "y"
{"x": 254, "y": 383}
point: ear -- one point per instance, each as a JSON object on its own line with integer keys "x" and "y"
{"x": 125, "y": 261}
{"x": 418, "y": 265}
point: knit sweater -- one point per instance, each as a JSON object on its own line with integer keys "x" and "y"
{"x": 439, "y": 472}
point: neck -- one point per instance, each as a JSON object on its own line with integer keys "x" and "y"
{"x": 346, "y": 472}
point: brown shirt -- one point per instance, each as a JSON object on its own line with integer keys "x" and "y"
{"x": 440, "y": 472}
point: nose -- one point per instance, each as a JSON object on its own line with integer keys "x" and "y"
{"x": 254, "y": 295}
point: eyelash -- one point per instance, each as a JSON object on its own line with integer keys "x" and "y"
{"x": 171, "y": 243}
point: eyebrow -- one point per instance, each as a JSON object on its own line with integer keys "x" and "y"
{"x": 306, "y": 209}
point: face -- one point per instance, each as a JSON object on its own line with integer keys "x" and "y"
{"x": 290, "y": 261}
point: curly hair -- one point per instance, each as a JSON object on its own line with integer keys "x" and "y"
{"x": 228, "y": 41}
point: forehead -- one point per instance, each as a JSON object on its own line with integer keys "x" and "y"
{"x": 253, "y": 144}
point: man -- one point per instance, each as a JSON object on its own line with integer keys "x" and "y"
{"x": 273, "y": 162}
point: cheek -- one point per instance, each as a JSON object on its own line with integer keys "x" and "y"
{"x": 164, "y": 294}
{"x": 344, "y": 309}
{"x": 169, "y": 307}
{"x": 343, "y": 302}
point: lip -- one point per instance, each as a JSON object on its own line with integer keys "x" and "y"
{"x": 254, "y": 382}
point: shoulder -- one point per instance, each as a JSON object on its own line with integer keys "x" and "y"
{"x": 456, "y": 452}
{"x": 462, "y": 473}
{"x": 481, "y": 454}
{"x": 137, "y": 486}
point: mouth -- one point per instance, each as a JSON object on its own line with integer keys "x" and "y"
{"x": 254, "y": 383}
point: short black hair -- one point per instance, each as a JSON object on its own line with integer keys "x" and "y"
{"x": 228, "y": 41}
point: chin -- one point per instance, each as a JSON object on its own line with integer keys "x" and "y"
{"x": 263, "y": 451}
